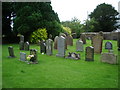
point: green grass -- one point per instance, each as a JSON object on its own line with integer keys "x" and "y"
{"x": 56, "y": 72}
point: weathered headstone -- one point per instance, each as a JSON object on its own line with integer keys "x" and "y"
{"x": 79, "y": 45}
{"x": 109, "y": 58}
{"x": 83, "y": 38}
{"x": 108, "y": 45}
{"x": 61, "y": 46}
{"x": 11, "y": 52}
{"x": 55, "y": 42}
{"x": 38, "y": 42}
{"x": 33, "y": 52}
{"x": 22, "y": 56}
{"x": 42, "y": 47}
{"x": 97, "y": 43}
{"x": 89, "y": 54}
{"x": 64, "y": 35}
{"x": 118, "y": 41}
{"x": 26, "y": 46}
{"x": 22, "y": 38}
{"x": 49, "y": 47}
{"x": 69, "y": 40}
{"x": 21, "y": 45}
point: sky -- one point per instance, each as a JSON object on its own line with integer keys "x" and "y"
{"x": 67, "y": 9}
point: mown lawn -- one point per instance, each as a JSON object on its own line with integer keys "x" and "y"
{"x": 56, "y": 72}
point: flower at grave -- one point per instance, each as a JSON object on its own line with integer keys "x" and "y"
{"x": 29, "y": 57}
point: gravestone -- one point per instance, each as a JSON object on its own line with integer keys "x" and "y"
{"x": 11, "y": 52}
{"x": 83, "y": 38}
{"x": 79, "y": 45}
{"x": 61, "y": 46}
{"x": 55, "y": 42}
{"x": 97, "y": 41}
{"x": 38, "y": 42}
{"x": 89, "y": 54}
{"x": 22, "y": 56}
{"x": 26, "y": 46}
{"x": 118, "y": 41}
{"x": 42, "y": 47}
{"x": 22, "y": 38}
{"x": 64, "y": 35}
{"x": 109, "y": 58}
{"x": 33, "y": 52}
{"x": 69, "y": 40}
{"x": 108, "y": 45}
{"x": 21, "y": 45}
{"x": 73, "y": 56}
{"x": 49, "y": 47}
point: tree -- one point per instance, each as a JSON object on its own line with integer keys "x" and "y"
{"x": 105, "y": 15}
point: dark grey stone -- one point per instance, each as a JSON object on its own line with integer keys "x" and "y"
{"x": 89, "y": 54}
{"x": 21, "y": 38}
{"x": 42, "y": 47}
{"x": 21, "y": 45}
{"x": 26, "y": 46}
{"x": 11, "y": 52}
{"x": 33, "y": 52}
{"x": 49, "y": 47}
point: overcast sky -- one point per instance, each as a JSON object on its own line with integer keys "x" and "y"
{"x": 67, "y": 9}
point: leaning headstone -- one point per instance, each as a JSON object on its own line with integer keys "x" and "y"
{"x": 33, "y": 59}
{"x": 97, "y": 43}
{"x": 26, "y": 46}
{"x": 42, "y": 47}
{"x": 55, "y": 42}
{"x": 22, "y": 38}
{"x": 69, "y": 40}
{"x": 83, "y": 38}
{"x": 21, "y": 45}
{"x": 49, "y": 47}
{"x": 109, "y": 58}
{"x": 79, "y": 45}
{"x": 89, "y": 54}
{"x": 22, "y": 56}
{"x": 11, "y": 52}
{"x": 61, "y": 46}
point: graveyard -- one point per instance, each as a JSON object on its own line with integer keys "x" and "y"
{"x": 58, "y": 72}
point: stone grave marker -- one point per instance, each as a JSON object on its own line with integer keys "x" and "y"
{"x": 26, "y": 46}
{"x": 22, "y": 38}
{"x": 11, "y": 52}
{"x": 33, "y": 59}
{"x": 49, "y": 47}
{"x": 83, "y": 38}
{"x": 97, "y": 43}
{"x": 55, "y": 42}
{"x": 79, "y": 45}
{"x": 69, "y": 40}
{"x": 64, "y": 35}
{"x": 109, "y": 58}
{"x": 108, "y": 45}
{"x": 89, "y": 54}
{"x": 43, "y": 47}
{"x": 73, "y": 56}
{"x": 61, "y": 46}
{"x": 22, "y": 56}
{"x": 21, "y": 45}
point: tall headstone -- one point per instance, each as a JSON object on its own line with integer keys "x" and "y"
{"x": 11, "y": 51}
{"x": 43, "y": 47}
{"x": 109, "y": 58}
{"x": 79, "y": 45}
{"x": 61, "y": 46}
{"x": 49, "y": 47}
{"x": 21, "y": 45}
{"x": 83, "y": 38}
{"x": 55, "y": 42}
{"x": 64, "y": 35}
{"x": 97, "y": 43}
{"x": 33, "y": 52}
{"x": 69, "y": 40}
{"x": 22, "y": 38}
{"x": 118, "y": 41}
{"x": 26, "y": 46}
{"x": 22, "y": 56}
{"x": 89, "y": 54}
{"x": 108, "y": 45}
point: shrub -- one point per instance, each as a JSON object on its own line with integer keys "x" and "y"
{"x": 40, "y": 34}
{"x": 66, "y": 30}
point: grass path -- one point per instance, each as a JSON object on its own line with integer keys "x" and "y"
{"x": 55, "y": 72}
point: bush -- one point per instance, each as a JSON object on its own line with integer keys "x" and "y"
{"x": 66, "y": 30}
{"x": 40, "y": 34}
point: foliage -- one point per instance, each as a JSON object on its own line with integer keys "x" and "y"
{"x": 40, "y": 34}
{"x": 74, "y": 25}
{"x": 66, "y": 30}
{"x": 105, "y": 15}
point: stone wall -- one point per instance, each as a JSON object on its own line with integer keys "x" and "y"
{"x": 107, "y": 35}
